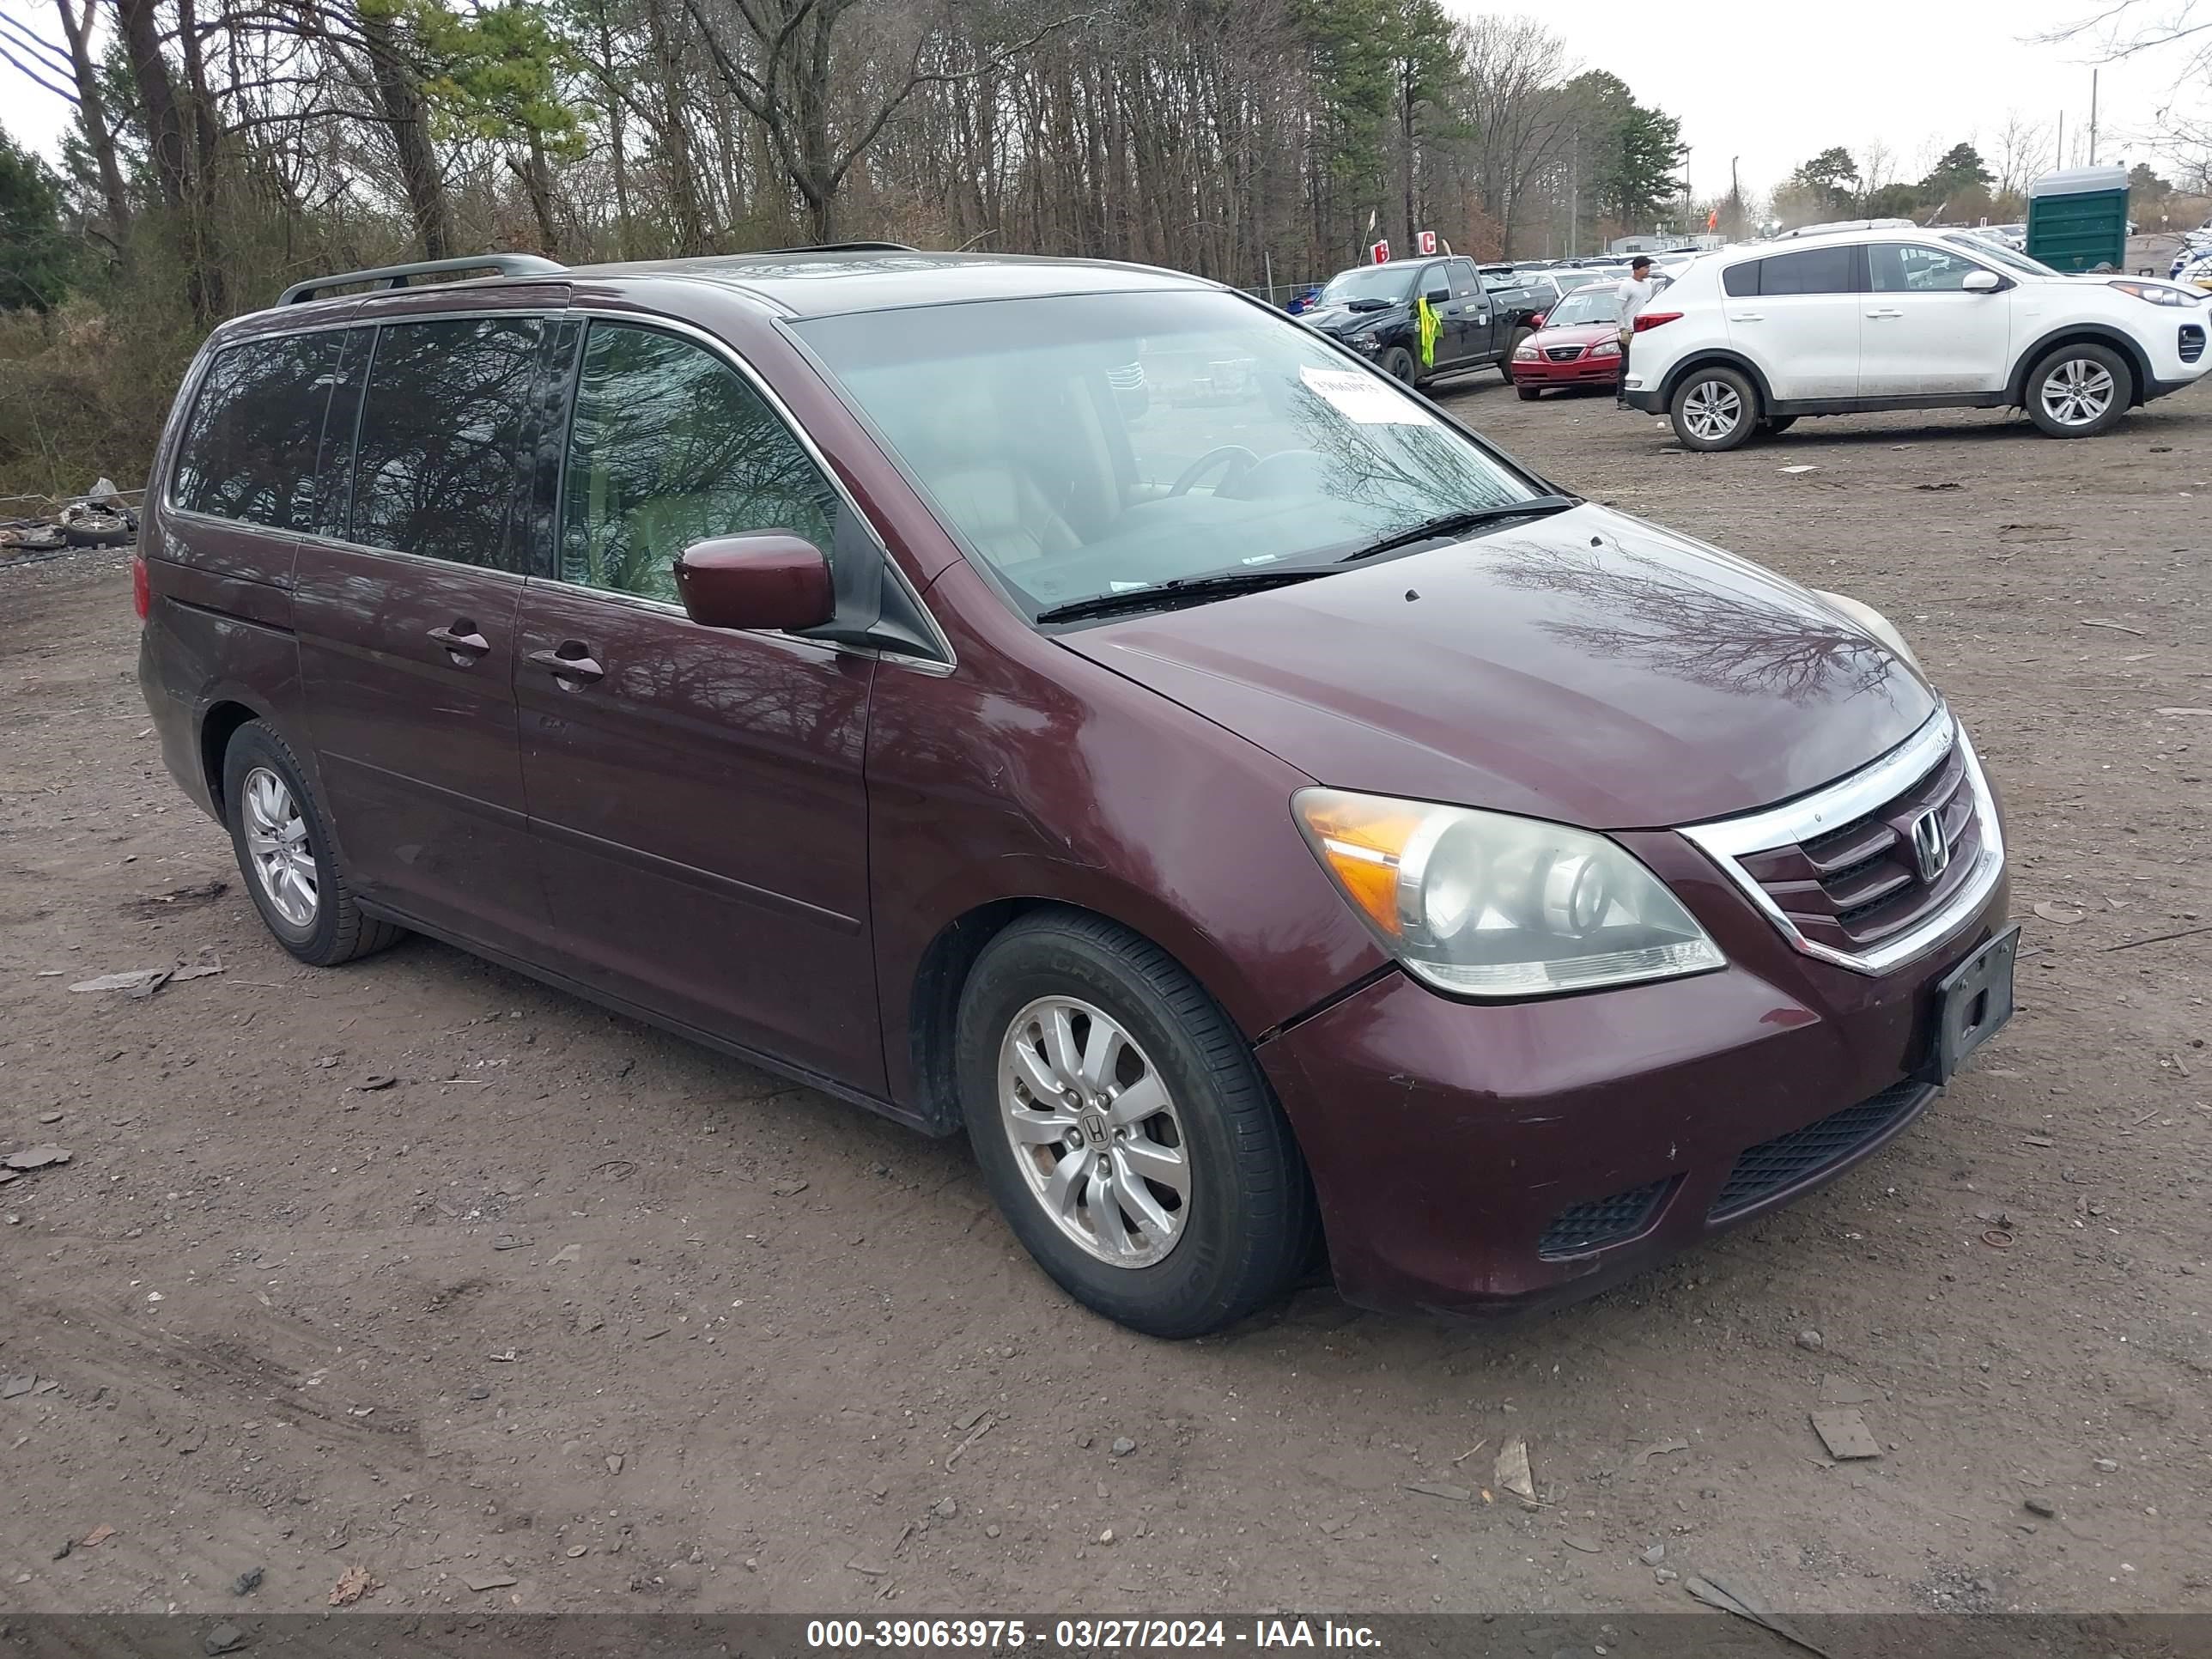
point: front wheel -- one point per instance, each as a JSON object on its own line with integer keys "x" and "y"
{"x": 1397, "y": 363}
{"x": 1529, "y": 393}
{"x": 2080, "y": 391}
{"x": 1125, "y": 1131}
{"x": 1714, "y": 409}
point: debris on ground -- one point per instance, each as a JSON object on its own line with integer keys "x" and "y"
{"x": 204, "y": 892}
{"x": 1587, "y": 1544}
{"x": 2042, "y": 1506}
{"x": 369, "y": 1082}
{"x": 248, "y": 1581}
{"x": 968, "y": 1420}
{"x": 1660, "y": 1450}
{"x": 223, "y": 1638}
{"x": 1811, "y": 1341}
{"x": 489, "y": 1580}
{"x": 353, "y": 1584}
{"x": 1844, "y": 1433}
{"x": 96, "y": 1537}
{"x": 1443, "y": 1489}
{"x": 1793, "y": 470}
{"x": 1123, "y": 1446}
{"x": 16, "y": 1387}
{"x": 1714, "y": 1593}
{"x": 2064, "y": 916}
{"x": 1839, "y": 1390}
{"x": 133, "y": 980}
{"x": 36, "y": 1158}
{"x": 1512, "y": 1472}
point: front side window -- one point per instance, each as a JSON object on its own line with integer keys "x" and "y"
{"x": 435, "y": 467}
{"x": 1910, "y": 268}
{"x": 248, "y": 450}
{"x": 1816, "y": 270}
{"x": 670, "y": 445}
{"x": 1257, "y": 444}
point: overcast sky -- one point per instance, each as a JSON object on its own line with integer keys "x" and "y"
{"x": 1774, "y": 83}
{"x": 1767, "y": 81}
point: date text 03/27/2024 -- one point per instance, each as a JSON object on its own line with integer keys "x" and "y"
{"x": 1085, "y": 1635}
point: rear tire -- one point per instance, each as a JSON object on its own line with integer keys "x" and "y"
{"x": 1714, "y": 409}
{"x": 1170, "y": 1261}
{"x": 282, "y": 842}
{"x": 2080, "y": 391}
{"x": 1529, "y": 393}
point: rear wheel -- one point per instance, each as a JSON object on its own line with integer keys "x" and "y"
{"x": 1529, "y": 393}
{"x": 1521, "y": 337}
{"x": 1125, "y": 1131}
{"x": 2080, "y": 391}
{"x": 1397, "y": 363}
{"x": 1714, "y": 409}
{"x": 283, "y": 847}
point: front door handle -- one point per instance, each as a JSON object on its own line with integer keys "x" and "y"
{"x": 1884, "y": 313}
{"x": 570, "y": 664}
{"x": 464, "y": 645}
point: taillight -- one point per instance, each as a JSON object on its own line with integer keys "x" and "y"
{"x": 142, "y": 590}
{"x": 1652, "y": 318}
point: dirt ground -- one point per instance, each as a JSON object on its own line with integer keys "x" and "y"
{"x": 576, "y": 1304}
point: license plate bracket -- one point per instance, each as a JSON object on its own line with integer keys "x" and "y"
{"x": 1972, "y": 1002}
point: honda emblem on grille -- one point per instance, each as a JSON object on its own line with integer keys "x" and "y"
{"x": 1931, "y": 851}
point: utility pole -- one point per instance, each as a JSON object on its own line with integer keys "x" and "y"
{"x": 1574, "y": 189}
{"x": 2061, "y": 162}
{"x": 2092, "y": 117}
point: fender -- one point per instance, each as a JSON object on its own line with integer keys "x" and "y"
{"x": 2066, "y": 333}
{"x": 1708, "y": 358}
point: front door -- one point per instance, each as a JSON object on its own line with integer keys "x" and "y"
{"x": 1801, "y": 325}
{"x": 1923, "y": 335}
{"x": 696, "y": 794}
{"x": 406, "y": 609}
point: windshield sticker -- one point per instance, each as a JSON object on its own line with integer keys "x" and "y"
{"x": 1362, "y": 397}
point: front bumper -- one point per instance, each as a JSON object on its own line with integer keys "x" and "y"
{"x": 1647, "y": 398}
{"x": 1487, "y": 1157}
{"x": 1584, "y": 370}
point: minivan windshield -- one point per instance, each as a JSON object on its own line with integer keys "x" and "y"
{"x": 1389, "y": 283}
{"x": 1090, "y": 444}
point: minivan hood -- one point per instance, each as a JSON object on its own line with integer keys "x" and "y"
{"x": 1588, "y": 667}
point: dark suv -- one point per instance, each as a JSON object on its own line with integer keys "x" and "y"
{"x": 1255, "y": 810}
{"x": 1480, "y": 316}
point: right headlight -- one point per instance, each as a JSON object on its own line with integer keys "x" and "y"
{"x": 1487, "y": 904}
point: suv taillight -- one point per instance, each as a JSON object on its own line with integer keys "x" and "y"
{"x": 142, "y": 590}
{"x": 1652, "y": 318}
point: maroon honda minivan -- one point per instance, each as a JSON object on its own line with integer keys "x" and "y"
{"x": 1072, "y": 702}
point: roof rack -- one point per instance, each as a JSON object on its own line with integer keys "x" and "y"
{"x": 506, "y": 265}
{"x": 831, "y": 247}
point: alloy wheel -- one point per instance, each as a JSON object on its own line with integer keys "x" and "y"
{"x": 2077, "y": 392}
{"x": 1095, "y": 1131}
{"x": 1712, "y": 409}
{"x": 276, "y": 844}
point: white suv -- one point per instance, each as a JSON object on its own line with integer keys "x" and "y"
{"x": 1748, "y": 339}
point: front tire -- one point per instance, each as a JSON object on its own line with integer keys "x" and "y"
{"x": 1714, "y": 409}
{"x": 1125, "y": 1130}
{"x": 1529, "y": 393}
{"x": 282, "y": 841}
{"x": 1398, "y": 364}
{"x": 2080, "y": 391}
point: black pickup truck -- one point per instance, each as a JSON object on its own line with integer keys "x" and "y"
{"x": 1482, "y": 317}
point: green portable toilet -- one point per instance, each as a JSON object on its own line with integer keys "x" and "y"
{"x": 2077, "y": 220}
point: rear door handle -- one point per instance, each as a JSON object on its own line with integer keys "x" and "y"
{"x": 463, "y": 644}
{"x": 1884, "y": 313}
{"x": 571, "y": 665}
{"x": 1746, "y": 316}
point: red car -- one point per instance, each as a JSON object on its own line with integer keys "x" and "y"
{"x": 1577, "y": 343}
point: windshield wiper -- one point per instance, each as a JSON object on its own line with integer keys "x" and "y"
{"x": 1458, "y": 524}
{"x": 1182, "y": 590}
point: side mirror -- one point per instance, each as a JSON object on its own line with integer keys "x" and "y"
{"x": 1436, "y": 296}
{"x": 770, "y": 579}
{"x": 1537, "y": 321}
{"x": 1981, "y": 281}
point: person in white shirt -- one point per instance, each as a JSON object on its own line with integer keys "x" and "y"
{"x": 1635, "y": 292}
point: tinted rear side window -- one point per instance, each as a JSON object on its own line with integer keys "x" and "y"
{"x": 435, "y": 470}
{"x": 1816, "y": 270}
{"x": 248, "y": 451}
{"x": 1740, "y": 280}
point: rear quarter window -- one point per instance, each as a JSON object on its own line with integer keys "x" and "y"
{"x": 1740, "y": 280}
{"x": 249, "y": 447}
